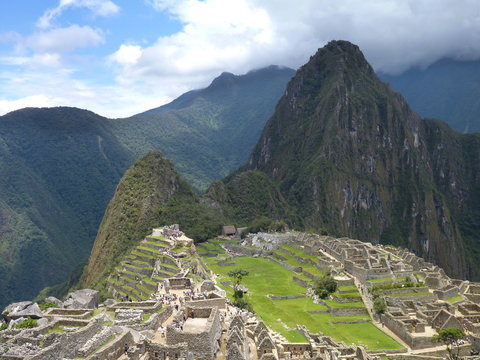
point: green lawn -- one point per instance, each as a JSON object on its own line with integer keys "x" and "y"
{"x": 456, "y": 298}
{"x": 266, "y": 277}
{"x": 308, "y": 267}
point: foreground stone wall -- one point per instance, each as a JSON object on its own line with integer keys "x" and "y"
{"x": 67, "y": 344}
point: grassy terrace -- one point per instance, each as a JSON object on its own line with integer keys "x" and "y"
{"x": 291, "y": 260}
{"x": 456, "y": 298}
{"x": 268, "y": 278}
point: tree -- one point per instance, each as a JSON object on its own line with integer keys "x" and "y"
{"x": 450, "y": 337}
{"x": 239, "y": 299}
{"x": 237, "y": 275}
{"x": 324, "y": 286}
{"x": 379, "y": 306}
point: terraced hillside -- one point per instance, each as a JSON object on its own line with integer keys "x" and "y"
{"x": 152, "y": 261}
{"x": 277, "y": 287}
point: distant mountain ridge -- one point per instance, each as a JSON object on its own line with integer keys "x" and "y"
{"x": 448, "y": 90}
{"x": 219, "y": 125}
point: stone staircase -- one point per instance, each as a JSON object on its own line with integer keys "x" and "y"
{"x": 141, "y": 271}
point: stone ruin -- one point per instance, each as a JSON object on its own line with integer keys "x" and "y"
{"x": 199, "y": 323}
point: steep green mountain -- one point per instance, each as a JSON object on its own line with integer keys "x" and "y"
{"x": 348, "y": 155}
{"x": 58, "y": 169}
{"x": 210, "y": 132}
{"x": 150, "y": 194}
{"x": 447, "y": 90}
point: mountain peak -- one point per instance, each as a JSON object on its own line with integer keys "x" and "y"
{"x": 225, "y": 78}
{"x": 338, "y": 56}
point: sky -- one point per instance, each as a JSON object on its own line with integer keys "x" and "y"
{"x": 122, "y": 57}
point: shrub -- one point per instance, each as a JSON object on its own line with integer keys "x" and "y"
{"x": 47, "y": 305}
{"x": 27, "y": 324}
{"x": 4, "y": 326}
{"x": 324, "y": 286}
{"x": 379, "y": 306}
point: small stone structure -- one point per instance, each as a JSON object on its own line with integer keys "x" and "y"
{"x": 201, "y": 331}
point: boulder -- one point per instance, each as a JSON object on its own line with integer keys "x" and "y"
{"x": 22, "y": 309}
{"x": 53, "y": 299}
{"x": 109, "y": 302}
{"x": 13, "y": 322}
{"x": 42, "y": 322}
{"x": 82, "y": 299}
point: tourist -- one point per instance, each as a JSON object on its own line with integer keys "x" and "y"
{"x": 126, "y": 349}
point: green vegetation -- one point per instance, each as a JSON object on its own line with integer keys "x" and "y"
{"x": 47, "y": 305}
{"x": 239, "y": 298}
{"x": 266, "y": 278}
{"x": 3, "y": 326}
{"x": 379, "y": 306}
{"x": 324, "y": 286}
{"x": 456, "y": 298}
{"x": 450, "y": 337}
{"x": 27, "y": 324}
{"x": 58, "y": 170}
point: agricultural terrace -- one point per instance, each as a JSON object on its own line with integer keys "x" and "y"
{"x": 266, "y": 277}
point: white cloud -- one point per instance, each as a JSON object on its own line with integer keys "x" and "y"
{"x": 127, "y": 54}
{"x": 239, "y": 35}
{"x": 35, "y": 61}
{"x": 97, "y": 7}
{"x": 235, "y": 36}
{"x": 28, "y": 101}
{"x": 63, "y": 40}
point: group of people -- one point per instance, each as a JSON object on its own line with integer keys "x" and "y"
{"x": 195, "y": 296}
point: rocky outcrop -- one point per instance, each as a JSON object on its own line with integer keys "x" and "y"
{"x": 22, "y": 309}
{"x": 82, "y": 299}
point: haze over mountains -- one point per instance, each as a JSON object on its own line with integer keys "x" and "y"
{"x": 448, "y": 90}
{"x": 342, "y": 152}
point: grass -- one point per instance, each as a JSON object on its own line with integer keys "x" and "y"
{"x": 380, "y": 280}
{"x": 266, "y": 277}
{"x": 290, "y": 259}
{"x": 337, "y": 305}
{"x": 409, "y": 294}
{"x": 348, "y": 288}
{"x": 456, "y": 298}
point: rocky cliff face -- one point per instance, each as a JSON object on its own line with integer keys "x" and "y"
{"x": 351, "y": 156}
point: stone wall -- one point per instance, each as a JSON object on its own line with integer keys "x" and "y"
{"x": 113, "y": 350}
{"x": 447, "y": 293}
{"x": 415, "y": 342}
{"x": 287, "y": 266}
{"x": 147, "y": 306}
{"x": 349, "y": 299}
{"x": 301, "y": 282}
{"x": 215, "y": 302}
{"x": 247, "y": 251}
{"x": 160, "y": 351}
{"x": 67, "y": 344}
{"x": 347, "y": 311}
{"x": 155, "y": 320}
{"x": 71, "y": 313}
{"x": 203, "y": 345}
{"x": 286, "y": 297}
